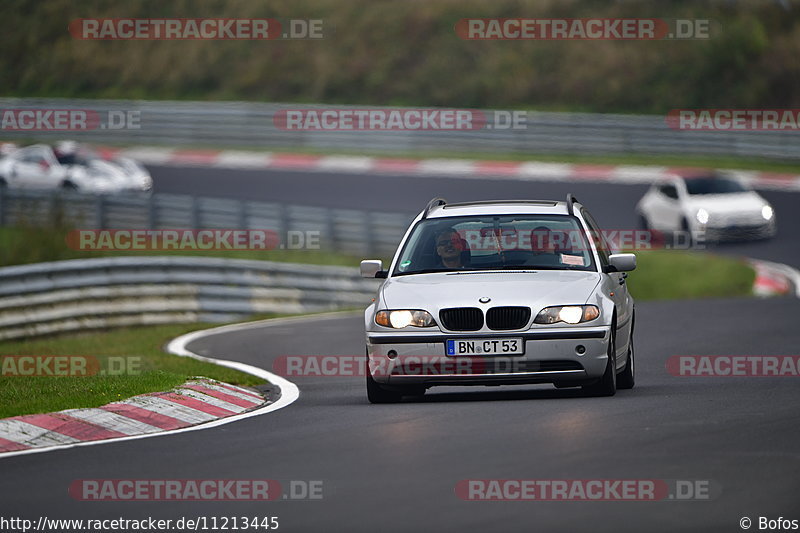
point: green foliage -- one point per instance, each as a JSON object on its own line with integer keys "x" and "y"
{"x": 392, "y": 53}
{"x": 156, "y": 370}
{"x": 675, "y": 275}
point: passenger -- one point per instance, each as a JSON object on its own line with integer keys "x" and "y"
{"x": 544, "y": 247}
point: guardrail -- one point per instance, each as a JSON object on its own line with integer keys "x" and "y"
{"x": 354, "y": 232}
{"x": 250, "y": 124}
{"x": 46, "y": 298}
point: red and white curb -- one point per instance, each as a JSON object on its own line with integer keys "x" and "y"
{"x": 151, "y": 415}
{"x": 196, "y": 402}
{"x": 775, "y": 279}
{"x": 459, "y": 168}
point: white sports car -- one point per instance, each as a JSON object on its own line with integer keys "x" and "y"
{"x": 73, "y": 167}
{"x": 718, "y": 207}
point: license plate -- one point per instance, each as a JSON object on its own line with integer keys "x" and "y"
{"x": 513, "y": 346}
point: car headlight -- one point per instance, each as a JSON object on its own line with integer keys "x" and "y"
{"x": 571, "y": 314}
{"x": 401, "y": 318}
{"x": 767, "y": 212}
{"x": 702, "y": 216}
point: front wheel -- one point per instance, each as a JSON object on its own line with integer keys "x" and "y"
{"x": 607, "y": 386}
{"x": 376, "y": 393}
{"x": 626, "y": 378}
{"x": 685, "y": 237}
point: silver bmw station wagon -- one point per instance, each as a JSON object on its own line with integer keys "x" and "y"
{"x": 500, "y": 293}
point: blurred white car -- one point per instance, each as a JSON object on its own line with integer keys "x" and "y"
{"x": 73, "y": 167}
{"x": 721, "y": 207}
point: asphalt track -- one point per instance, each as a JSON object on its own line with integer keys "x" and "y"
{"x": 394, "y": 467}
{"x": 611, "y": 204}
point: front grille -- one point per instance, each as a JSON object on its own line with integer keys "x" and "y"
{"x": 738, "y": 233}
{"x": 462, "y": 318}
{"x": 503, "y": 318}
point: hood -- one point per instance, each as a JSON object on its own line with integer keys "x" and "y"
{"x": 731, "y": 203}
{"x": 117, "y": 174}
{"x": 535, "y": 289}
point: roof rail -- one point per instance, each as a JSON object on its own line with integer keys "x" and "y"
{"x": 433, "y": 203}
{"x": 570, "y": 200}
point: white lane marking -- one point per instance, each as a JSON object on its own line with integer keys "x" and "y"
{"x": 289, "y": 391}
{"x": 207, "y": 398}
{"x": 341, "y": 162}
{"x": 112, "y": 421}
{"x": 533, "y": 170}
{"x": 238, "y": 159}
{"x": 446, "y": 166}
{"x": 637, "y": 174}
{"x": 165, "y": 407}
{"x": 152, "y": 155}
{"x": 30, "y": 435}
{"x": 254, "y": 400}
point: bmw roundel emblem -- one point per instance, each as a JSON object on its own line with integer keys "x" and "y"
{"x": 484, "y": 300}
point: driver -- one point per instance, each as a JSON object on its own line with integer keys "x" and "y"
{"x": 451, "y": 249}
{"x": 66, "y": 152}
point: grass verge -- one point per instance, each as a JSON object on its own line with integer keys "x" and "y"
{"x": 149, "y": 369}
{"x": 673, "y": 275}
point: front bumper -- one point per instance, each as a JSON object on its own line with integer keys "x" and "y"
{"x": 733, "y": 232}
{"x": 552, "y": 355}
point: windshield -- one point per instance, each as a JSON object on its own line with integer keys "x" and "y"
{"x": 82, "y": 156}
{"x": 712, "y": 185}
{"x": 523, "y": 242}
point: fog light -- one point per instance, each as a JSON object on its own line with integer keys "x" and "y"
{"x": 392, "y": 354}
{"x": 580, "y": 349}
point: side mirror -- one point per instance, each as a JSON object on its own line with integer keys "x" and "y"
{"x": 372, "y": 268}
{"x": 621, "y": 263}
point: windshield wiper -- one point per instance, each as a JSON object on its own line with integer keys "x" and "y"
{"x": 425, "y": 271}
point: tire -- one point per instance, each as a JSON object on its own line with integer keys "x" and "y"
{"x": 686, "y": 231}
{"x": 643, "y": 223}
{"x": 626, "y": 378}
{"x": 607, "y": 386}
{"x": 69, "y": 186}
{"x": 376, "y": 393}
{"x": 3, "y": 184}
